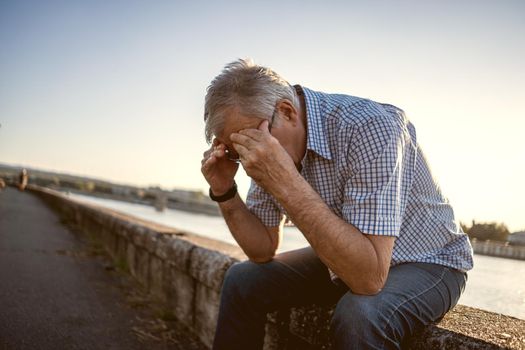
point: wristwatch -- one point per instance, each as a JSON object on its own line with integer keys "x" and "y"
{"x": 228, "y": 195}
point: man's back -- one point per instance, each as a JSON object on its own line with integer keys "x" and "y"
{"x": 365, "y": 162}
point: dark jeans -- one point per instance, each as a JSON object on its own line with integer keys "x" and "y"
{"x": 415, "y": 295}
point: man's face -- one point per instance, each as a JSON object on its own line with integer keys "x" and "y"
{"x": 290, "y": 132}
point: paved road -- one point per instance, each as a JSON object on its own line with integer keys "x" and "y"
{"x": 51, "y": 295}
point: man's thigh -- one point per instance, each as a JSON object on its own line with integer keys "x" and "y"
{"x": 415, "y": 294}
{"x": 292, "y": 278}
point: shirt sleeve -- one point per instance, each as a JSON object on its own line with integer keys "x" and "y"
{"x": 376, "y": 192}
{"x": 262, "y": 205}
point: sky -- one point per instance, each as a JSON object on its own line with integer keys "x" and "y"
{"x": 115, "y": 89}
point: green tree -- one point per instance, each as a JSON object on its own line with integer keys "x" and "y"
{"x": 493, "y": 231}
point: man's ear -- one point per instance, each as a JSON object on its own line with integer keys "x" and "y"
{"x": 287, "y": 110}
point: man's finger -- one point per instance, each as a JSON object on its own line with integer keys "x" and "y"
{"x": 218, "y": 153}
{"x": 209, "y": 151}
{"x": 264, "y": 127}
{"x": 255, "y": 134}
{"x": 241, "y": 150}
{"x": 242, "y": 140}
{"x": 207, "y": 163}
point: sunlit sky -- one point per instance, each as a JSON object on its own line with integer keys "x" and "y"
{"x": 115, "y": 89}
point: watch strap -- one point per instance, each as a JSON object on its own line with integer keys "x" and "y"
{"x": 228, "y": 195}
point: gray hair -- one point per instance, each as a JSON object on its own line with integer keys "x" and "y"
{"x": 253, "y": 89}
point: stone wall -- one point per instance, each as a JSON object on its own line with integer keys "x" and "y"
{"x": 185, "y": 271}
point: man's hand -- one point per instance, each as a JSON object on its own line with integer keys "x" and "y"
{"x": 257, "y": 241}
{"x": 263, "y": 157}
{"x": 217, "y": 169}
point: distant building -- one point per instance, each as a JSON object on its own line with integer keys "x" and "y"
{"x": 187, "y": 196}
{"x": 517, "y": 238}
{"x": 125, "y": 191}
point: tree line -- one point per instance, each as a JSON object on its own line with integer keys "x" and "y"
{"x": 483, "y": 231}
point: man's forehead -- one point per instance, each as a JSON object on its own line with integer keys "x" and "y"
{"x": 233, "y": 123}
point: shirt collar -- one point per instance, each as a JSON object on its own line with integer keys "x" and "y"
{"x": 316, "y": 137}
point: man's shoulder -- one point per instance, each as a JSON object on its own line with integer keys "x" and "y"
{"x": 348, "y": 109}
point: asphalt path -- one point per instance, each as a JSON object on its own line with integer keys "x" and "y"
{"x": 55, "y": 296}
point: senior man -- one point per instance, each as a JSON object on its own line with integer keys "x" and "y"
{"x": 385, "y": 246}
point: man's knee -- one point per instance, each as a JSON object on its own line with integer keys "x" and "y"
{"x": 356, "y": 320}
{"x": 355, "y": 311}
{"x": 242, "y": 279}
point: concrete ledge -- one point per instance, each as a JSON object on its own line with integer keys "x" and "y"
{"x": 186, "y": 270}
{"x": 462, "y": 328}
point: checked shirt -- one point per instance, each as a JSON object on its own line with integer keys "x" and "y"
{"x": 364, "y": 161}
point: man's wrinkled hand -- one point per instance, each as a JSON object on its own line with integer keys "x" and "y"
{"x": 217, "y": 169}
{"x": 263, "y": 157}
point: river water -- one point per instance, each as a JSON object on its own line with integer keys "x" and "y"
{"x": 495, "y": 284}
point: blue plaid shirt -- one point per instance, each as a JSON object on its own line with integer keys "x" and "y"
{"x": 364, "y": 161}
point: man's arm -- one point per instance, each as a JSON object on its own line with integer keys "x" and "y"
{"x": 257, "y": 241}
{"x": 361, "y": 261}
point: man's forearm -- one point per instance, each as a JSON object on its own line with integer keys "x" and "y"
{"x": 250, "y": 233}
{"x": 340, "y": 245}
